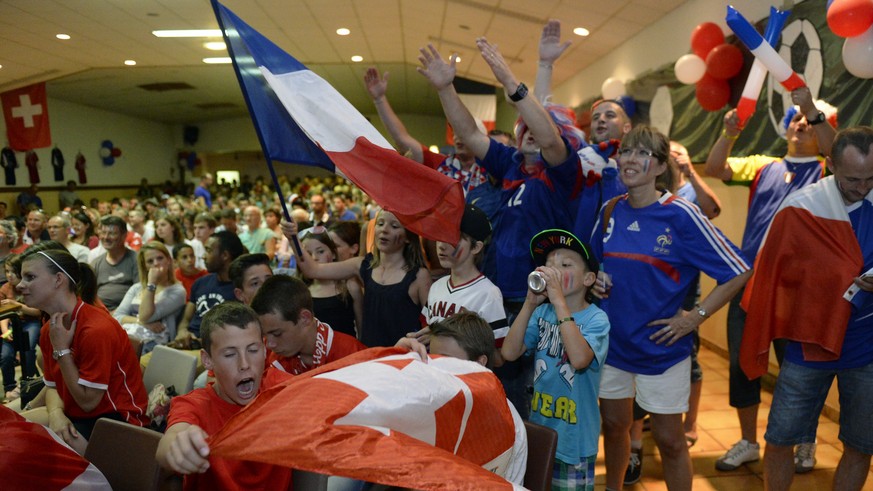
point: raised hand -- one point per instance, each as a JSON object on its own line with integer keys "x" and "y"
{"x": 439, "y": 73}
{"x": 498, "y": 65}
{"x": 551, "y": 47}
{"x": 377, "y": 85}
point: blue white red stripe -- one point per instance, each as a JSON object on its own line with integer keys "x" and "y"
{"x": 746, "y": 32}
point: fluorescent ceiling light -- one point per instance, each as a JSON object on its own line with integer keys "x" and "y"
{"x": 581, "y": 31}
{"x": 357, "y": 58}
{"x": 130, "y": 62}
{"x": 215, "y": 45}
{"x": 62, "y": 36}
{"x": 217, "y": 60}
{"x": 342, "y": 31}
{"x": 188, "y": 33}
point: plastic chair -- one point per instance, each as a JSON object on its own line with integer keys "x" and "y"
{"x": 169, "y": 366}
{"x": 542, "y": 443}
{"x": 125, "y": 454}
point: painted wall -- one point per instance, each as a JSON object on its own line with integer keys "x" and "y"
{"x": 147, "y": 151}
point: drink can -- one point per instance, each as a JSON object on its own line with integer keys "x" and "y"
{"x": 536, "y": 282}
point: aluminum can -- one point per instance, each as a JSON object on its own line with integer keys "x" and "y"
{"x": 536, "y": 282}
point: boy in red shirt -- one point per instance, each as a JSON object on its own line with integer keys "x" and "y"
{"x": 234, "y": 350}
{"x": 298, "y": 342}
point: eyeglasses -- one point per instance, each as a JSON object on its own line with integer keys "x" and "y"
{"x": 627, "y": 153}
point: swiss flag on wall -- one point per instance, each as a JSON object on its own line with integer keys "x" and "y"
{"x": 27, "y": 121}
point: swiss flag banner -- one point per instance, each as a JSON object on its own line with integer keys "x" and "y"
{"x": 27, "y": 121}
{"x": 381, "y": 417}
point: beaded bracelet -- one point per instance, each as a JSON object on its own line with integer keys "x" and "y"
{"x": 728, "y": 137}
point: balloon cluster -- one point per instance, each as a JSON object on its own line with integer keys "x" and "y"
{"x": 853, "y": 20}
{"x": 710, "y": 66}
{"x": 109, "y": 152}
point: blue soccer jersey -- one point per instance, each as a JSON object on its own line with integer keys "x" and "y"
{"x": 566, "y": 399}
{"x": 653, "y": 254}
{"x": 530, "y": 202}
{"x": 770, "y": 181}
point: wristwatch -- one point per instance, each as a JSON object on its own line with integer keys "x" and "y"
{"x": 817, "y": 120}
{"x": 151, "y": 287}
{"x": 58, "y": 354}
{"x": 702, "y": 312}
{"x": 519, "y": 94}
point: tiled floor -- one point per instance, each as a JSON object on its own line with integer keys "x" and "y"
{"x": 718, "y": 429}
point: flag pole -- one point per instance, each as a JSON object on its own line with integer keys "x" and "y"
{"x": 295, "y": 241}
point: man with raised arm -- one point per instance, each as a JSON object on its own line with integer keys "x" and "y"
{"x": 539, "y": 179}
{"x": 770, "y": 180}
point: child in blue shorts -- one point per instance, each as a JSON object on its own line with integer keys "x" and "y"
{"x": 569, "y": 337}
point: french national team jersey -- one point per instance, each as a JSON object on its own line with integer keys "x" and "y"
{"x": 653, "y": 254}
{"x": 531, "y": 202}
{"x": 770, "y": 181}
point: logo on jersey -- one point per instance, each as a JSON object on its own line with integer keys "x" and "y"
{"x": 634, "y": 227}
{"x": 664, "y": 241}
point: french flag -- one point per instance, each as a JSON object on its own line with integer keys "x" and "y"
{"x": 796, "y": 299}
{"x": 301, "y": 119}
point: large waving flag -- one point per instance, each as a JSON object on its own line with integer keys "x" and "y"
{"x": 301, "y": 119}
{"x": 382, "y": 417}
{"x": 791, "y": 295}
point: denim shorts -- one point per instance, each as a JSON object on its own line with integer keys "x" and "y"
{"x": 800, "y": 395}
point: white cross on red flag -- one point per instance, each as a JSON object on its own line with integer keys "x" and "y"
{"x": 27, "y": 121}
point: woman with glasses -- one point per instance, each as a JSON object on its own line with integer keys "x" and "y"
{"x": 652, "y": 245}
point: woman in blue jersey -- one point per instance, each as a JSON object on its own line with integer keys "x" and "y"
{"x": 652, "y": 245}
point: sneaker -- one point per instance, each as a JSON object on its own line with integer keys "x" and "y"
{"x": 739, "y": 454}
{"x": 634, "y": 467}
{"x": 804, "y": 457}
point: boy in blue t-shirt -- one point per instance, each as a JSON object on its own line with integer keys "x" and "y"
{"x": 569, "y": 337}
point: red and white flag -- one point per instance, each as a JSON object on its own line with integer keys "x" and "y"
{"x": 381, "y": 417}
{"x": 27, "y": 120}
{"x": 792, "y": 297}
{"x": 34, "y": 457}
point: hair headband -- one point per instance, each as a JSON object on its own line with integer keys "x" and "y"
{"x": 58, "y": 265}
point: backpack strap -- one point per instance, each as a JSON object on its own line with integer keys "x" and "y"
{"x": 607, "y": 212}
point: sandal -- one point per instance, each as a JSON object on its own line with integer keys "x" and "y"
{"x": 13, "y": 395}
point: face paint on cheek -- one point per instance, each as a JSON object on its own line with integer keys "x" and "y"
{"x": 457, "y": 253}
{"x": 567, "y": 281}
{"x": 646, "y": 165}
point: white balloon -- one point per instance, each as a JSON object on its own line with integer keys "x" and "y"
{"x": 612, "y": 88}
{"x": 689, "y": 68}
{"x": 858, "y": 54}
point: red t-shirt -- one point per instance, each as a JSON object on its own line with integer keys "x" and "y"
{"x": 329, "y": 346}
{"x": 188, "y": 281}
{"x": 106, "y": 360}
{"x": 204, "y": 408}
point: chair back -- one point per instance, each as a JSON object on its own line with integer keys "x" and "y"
{"x": 542, "y": 443}
{"x": 169, "y": 366}
{"x": 125, "y": 454}
{"x": 309, "y": 481}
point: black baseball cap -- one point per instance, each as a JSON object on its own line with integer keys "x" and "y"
{"x": 475, "y": 223}
{"x": 548, "y": 240}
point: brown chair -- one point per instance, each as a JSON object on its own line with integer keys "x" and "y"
{"x": 125, "y": 454}
{"x": 542, "y": 442}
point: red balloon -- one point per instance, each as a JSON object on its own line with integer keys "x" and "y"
{"x": 850, "y": 18}
{"x": 724, "y": 61}
{"x": 705, "y": 37}
{"x": 712, "y": 93}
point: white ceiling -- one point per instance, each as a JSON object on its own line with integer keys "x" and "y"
{"x": 88, "y": 69}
